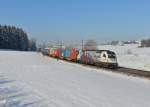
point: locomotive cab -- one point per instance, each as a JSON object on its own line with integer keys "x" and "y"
{"x": 103, "y": 58}
{"x": 108, "y": 58}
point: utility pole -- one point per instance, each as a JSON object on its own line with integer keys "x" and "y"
{"x": 61, "y": 45}
{"x": 82, "y": 45}
{"x": 58, "y": 44}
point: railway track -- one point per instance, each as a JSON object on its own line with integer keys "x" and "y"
{"x": 126, "y": 71}
{"x": 122, "y": 70}
{"x": 134, "y": 72}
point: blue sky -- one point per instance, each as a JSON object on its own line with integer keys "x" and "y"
{"x": 70, "y": 20}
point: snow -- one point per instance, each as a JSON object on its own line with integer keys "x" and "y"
{"x": 37, "y": 81}
{"x": 131, "y": 56}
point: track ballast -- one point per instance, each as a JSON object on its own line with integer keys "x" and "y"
{"x": 126, "y": 71}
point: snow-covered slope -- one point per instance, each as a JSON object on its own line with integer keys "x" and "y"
{"x": 61, "y": 84}
{"x": 131, "y": 56}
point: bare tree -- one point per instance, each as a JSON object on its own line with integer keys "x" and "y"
{"x": 91, "y": 45}
{"x": 32, "y": 44}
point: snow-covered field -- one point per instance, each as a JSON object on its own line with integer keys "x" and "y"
{"x": 30, "y": 80}
{"x": 131, "y": 56}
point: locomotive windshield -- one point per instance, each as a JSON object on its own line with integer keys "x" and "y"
{"x": 111, "y": 56}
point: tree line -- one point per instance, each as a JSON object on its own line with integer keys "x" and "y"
{"x": 14, "y": 38}
{"x": 145, "y": 42}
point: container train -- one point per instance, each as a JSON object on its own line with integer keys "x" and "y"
{"x": 102, "y": 58}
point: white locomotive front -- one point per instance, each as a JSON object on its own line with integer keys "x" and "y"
{"x": 104, "y": 58}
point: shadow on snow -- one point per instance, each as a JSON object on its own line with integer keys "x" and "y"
{"x": 11, "y": 96}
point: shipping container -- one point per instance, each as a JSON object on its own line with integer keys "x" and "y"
{"x": 57, "y": 53}
{"x": 52, "y": 50}
{"x": 69, "y": 54}
{"x": 66, "y": 53}
{"x": 73, "y": 55}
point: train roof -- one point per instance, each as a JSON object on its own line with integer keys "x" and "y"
{"x": 108, "y": 51}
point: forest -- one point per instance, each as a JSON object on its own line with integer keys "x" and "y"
{"x": 15, "y": 38}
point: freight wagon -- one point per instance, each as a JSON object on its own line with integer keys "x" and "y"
{"x": 57, "y": 53}
{"x": 52, "y": 51}
{"x": 69, "y": 54}
{"x": 45, "y": 51}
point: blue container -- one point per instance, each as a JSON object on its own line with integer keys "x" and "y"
{"x": 66, "y": 53}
